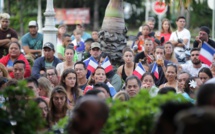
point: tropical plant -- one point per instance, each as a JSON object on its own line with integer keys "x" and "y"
{"x": 113, "y": 31}
{"x": 136, "y": 115}
{"x": 20, "y": 114}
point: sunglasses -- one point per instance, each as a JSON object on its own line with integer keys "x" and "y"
{"x": 172, "y": 64}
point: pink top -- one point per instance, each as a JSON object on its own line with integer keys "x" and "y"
{"x": 166, "y": 36}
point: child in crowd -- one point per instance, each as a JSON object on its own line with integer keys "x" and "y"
{"x": 95, "y": 35}
{"x": 138, "y": 45}
{"x": 86, "y": 53}
{"x": 78, "y": 44}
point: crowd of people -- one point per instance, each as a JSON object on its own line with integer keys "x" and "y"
{"x": 61, "y": 84}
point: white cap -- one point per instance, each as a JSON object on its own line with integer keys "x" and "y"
{"x": 32, "y": 23}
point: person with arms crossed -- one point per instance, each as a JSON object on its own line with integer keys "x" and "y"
{"x": 7, "y": 35}
{"x": 180, "y": 39}
{"x": 32, "y": 42}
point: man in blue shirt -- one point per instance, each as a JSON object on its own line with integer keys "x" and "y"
{"x": 48, "y": 60}
{"x": 32, "y": 42}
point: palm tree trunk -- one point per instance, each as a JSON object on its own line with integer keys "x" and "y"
{"x": 114, "y": 17}
{"x": 113, "y": 32}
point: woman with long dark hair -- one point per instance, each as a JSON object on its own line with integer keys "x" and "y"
{"x": 42, "y": 104}
{"x": 127, "y": 69}
{"x": 58, "y": 104}
{"x": 70, "y": 83}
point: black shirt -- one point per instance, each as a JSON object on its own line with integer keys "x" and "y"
{"x": 210, "y": 42}
{"x": 162, "y": 78}
{"x": 139, "y": 56}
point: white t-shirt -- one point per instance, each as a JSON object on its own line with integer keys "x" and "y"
{"x": 191, "y": 70}
{"x": 184, "y": 34}
{"x": 60, "y": 68}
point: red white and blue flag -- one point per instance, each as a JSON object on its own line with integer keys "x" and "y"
{"x": 92, "y": 65}
{"x": 139, "y": 71}
{"x": 155, "y": 70}
{"x": 107, "y": 65}
{"x": 206, "y": 53}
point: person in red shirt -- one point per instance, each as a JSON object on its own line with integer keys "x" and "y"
{"x": 15, "y": 54}
{"x": 165, "y": 31}
{"x": 145, "y": 34}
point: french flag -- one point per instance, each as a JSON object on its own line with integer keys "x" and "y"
{"x": 155, "y": 70}
{"x": 107, "y": 65}
{"x": 206, "y": 54}
{"x": 92, "y": 65}
{"x": 139, "y": 71}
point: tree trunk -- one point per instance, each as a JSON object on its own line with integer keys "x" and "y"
{"x": 114, "y": 17}
{"x": 8, "y": 7}
{"x": 188, "y": 17}
{"x": 182, "y": 8}
{"x": 21, "y": 18}
{"x": 113, "y": 32}
{"x": 96, "y": 15}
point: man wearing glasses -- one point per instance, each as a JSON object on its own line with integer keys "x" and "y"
{"x": 52, "y": 76}
{"x": 81, "y": 70}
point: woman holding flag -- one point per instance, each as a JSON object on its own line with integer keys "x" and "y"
{"x": 97, "y": 76}
{"x": 114, "y": 78}
{"x": 158, "y": 68}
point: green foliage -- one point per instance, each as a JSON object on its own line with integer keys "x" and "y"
{"x": 200, "y": 10}
{"x": 133, "y": 116}
{"x": 20, "y": 109}
{"x": 136, "y": 115}
{"x": 61, "y": 124}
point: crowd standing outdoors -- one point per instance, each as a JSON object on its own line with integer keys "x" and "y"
{"x": 64, "y": 85}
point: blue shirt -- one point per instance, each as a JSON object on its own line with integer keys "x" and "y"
{"x": 33, "y": 43}
{"x": 81, "y": 47}
{"x": 187, "y": 97}
{"x": 10, "y": 63}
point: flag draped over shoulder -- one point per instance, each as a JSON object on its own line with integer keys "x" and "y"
{"x": 139, "y": 71}
{"x": 206, "y": 53}
{"x": 155, "y": 70}
{"x": 107, "y": 65}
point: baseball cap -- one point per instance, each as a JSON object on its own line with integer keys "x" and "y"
{"x": 32, "y": 23}
{"x": 48, "y": 45}
{"x": 62, "y": 25}
{"x": 95, "y": 44}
